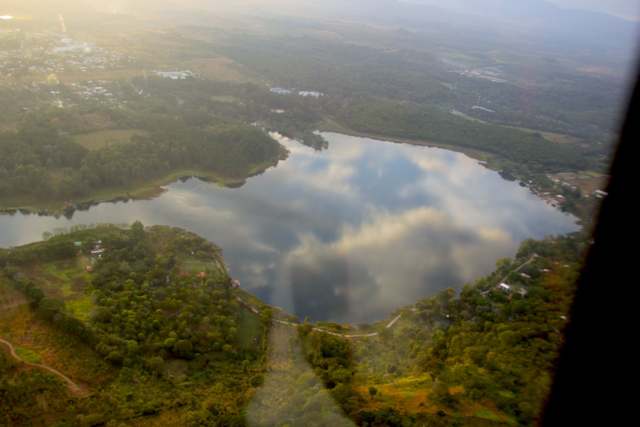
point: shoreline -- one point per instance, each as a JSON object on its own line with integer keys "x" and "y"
{"x": 146, "y": 190}
{"x": 484, "y": 158}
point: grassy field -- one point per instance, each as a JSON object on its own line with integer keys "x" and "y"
{"x": 408, "y": 395}
{"x": 558, "y": 138}
{"x": 67, "y": 281}
{"x": 81, "y": 307}
{"x": 98, "y": 140}
{"x": 250, "y": 330}
{"x": 9, "y": 297}
{"x": 76, "y": 76}
{"x": 193, "y": 265}
{"x": 222, "y": 69}
{"x": 28, "y": 355}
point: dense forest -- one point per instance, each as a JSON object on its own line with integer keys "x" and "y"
{"x": 158, "y": 331}
{"x": 404, "y": 67}
{"x": 424, "y": 123}
{"x": 200, "y": 126}
{"x": 39, "y": 162}
{"x": 162, "y": 328}
{"x": 155, "y": 329}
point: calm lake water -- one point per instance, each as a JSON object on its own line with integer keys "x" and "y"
{"x": 347, "y": 234}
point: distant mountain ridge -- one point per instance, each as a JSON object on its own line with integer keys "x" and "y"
{"x": 513, "y": 8}
{"x": 538, "y": 17}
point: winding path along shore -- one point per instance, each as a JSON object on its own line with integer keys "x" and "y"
{"x": 254, "y": 310}
{"x": 73, "y": 387}
{"x": 389, "y": 325}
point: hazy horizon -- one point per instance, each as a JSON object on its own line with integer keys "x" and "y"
{"x": 625, "y": 9}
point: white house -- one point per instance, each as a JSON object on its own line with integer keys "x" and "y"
{"x": 504, "y": 287}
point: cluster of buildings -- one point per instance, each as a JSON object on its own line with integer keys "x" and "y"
{"x": 555, "y": 200}
{"x": 96, "y": 253}
{"x": 92, "y": 90}
{"x": 520, "y": 287}
{"x": 509, "y": 289}
{"x": 175, "y": 75}
{"x": 72, "y": 94}
{"x": 492, "y": 74}
{"x": 45, "y": 54}
{"x": 558, "y": 199}
{"x": 303, "y": 93}
{"x": 98, "y": 250}
{"x": 562, "y": 183}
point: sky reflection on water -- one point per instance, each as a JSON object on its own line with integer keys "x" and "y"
{"x": 350, "y": 233}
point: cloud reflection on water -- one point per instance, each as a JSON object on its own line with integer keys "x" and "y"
{"x": 349, "y": 233}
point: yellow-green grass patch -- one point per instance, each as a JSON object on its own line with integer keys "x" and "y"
{"x": 104, "y": 138}
{"x": 66, "y": 280}
{"x": 486, "y": 411}
{"x": 9, "y": 297}
{"x": 558, "y": 138}
{"x": 28, "y": 355}
{"x": 222, "y": 69}
{"x": 81, "y": 308}
{"x": 406, "y": 399}
{"x": 193, "y": 265}
{"x": 76, "y": 76}
{"x": 250, "y": 330}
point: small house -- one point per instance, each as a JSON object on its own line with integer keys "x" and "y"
{"x": 504, "y": 287}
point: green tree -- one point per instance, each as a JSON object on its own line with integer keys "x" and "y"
{"x": 184, "y": 349}
{"x": 373, "y": 392}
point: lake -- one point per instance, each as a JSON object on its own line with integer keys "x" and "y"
{"x": 347, "y": 234}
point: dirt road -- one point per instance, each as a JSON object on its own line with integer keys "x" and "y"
{"x": 73, "y": 387}
{"x": 324, "y": 331}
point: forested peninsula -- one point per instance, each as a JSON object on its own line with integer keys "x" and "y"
{"x": 43, "y": 169}
{"x": 144, "y": 326}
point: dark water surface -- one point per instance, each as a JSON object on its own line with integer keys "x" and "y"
{"x": 350, "y": 233}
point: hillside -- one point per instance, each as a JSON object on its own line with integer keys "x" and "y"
{"x": 145, "y": 322}
{"x": 149, "y": 329}
{"x": 483, "y": 357}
